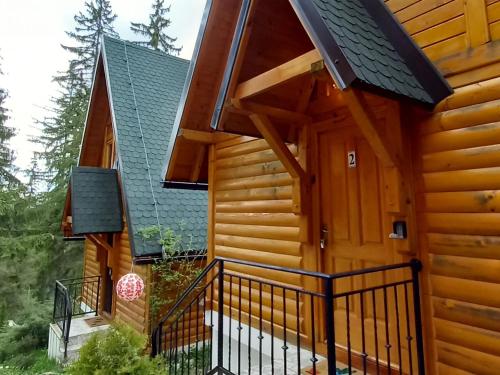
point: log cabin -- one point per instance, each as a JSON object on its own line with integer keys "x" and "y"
{"x": 115, "y": 193}
{"x": 353, "y": 208}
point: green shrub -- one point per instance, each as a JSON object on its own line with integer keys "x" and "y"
{"x": 119, "y": 350}
{"x": 19, "y": 344}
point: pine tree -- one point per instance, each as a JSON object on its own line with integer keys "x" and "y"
{"x": 95, "y": 21}
{"x": 62, "y": 130}
{"x": 7, "y": 169}
{"x": 154, "y": 31}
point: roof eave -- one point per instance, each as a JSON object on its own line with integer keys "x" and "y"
{"x": 187, "y": 86}
{"x": 421, "y": 66}
{"x": 335, "y": 60}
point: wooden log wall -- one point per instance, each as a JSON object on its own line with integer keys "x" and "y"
{"x": 91, "y": 267}
{"x": 458, "y": 171}
{"x": 458, "y": 178}
{"x": 457, "y": 35}
{"x": 252, "y": 219}
{"x": 135, "y": 313}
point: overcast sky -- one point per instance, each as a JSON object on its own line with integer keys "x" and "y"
{"x": 31, "y": 32}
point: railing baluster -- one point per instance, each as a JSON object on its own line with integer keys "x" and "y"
{"x": 172, "y": 348}
{"x": 176, "y": 345}
{"x": 97, "y": 298}
{"x": 189, "y": 337}
{"x": 204, "y": 331}
{"x": 249, "y": 326}
{"x": 272, "y": 329}
{"x": 330, "y": 327}
{"x": 239, "y": 326}
{"x": 398, "y": 330}
{"x": 313, "y": 340}
{"x": 416, "y": 266}
{"x": 197, "y": 333}
{"x": 220, "y": 306}
{"x": 211, "y": 322}
{"x": 182, "y": 345}
{"x": 364, "y": 355}
{"x": 375, "y": 330}
{"x": 409, "y": 338}
{"x": 260, "y": 328}
{"x": 285, "y": 347}
{"x": 387, "y": 338}
{"x": 230, "y": 319}
{"x": 297, "y": 328}
{"x": 348, "y": 329}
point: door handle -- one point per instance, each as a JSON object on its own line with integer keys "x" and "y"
{"x": 323, "y": 237}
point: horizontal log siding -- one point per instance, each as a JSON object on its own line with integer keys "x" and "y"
{"x": 452, "y": 32}
{"x": 459, "y": 214}
{"x": 438, "y": 27}
{"x": 135, "y": 313}
{"x": 253, "y": 220}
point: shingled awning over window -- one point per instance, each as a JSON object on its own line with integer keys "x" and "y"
{"x": 95, "y": 201}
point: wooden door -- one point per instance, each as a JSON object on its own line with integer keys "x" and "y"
{"x": 358, "y": 228}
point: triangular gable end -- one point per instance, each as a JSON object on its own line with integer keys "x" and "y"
{"x": 283, "y": 47}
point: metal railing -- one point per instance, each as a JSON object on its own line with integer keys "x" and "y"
{"x": 364, "y": 321}
{"x": 74, "y": 297}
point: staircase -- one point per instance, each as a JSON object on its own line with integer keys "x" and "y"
{"x": 230, "y": 322}
{"x": 74, "y": 319}
{"x": 81, "y": 330}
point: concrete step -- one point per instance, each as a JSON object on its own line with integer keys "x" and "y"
{"x": 80, "y": 333}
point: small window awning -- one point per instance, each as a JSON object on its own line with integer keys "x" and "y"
{"x": 94, "y": 202}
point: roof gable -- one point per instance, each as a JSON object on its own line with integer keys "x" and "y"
{"x": 144, "y": 87}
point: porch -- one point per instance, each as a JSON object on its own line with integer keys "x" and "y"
{"x": 331, "y": 326}
{"x": 75, "y": 316}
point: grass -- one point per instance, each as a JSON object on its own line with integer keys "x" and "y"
{"x": 41, "y": 364}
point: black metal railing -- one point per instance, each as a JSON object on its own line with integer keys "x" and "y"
{"x": 364, "y": 321}
{"x": 74, "y": 297}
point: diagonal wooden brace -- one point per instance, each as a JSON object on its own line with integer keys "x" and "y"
{"x": 299, "y": 176}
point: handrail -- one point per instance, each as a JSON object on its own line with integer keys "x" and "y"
{"x": 68, "y": 293}
{"x": 195, "y": 282}
{"x": 319, "y": 274}
{"x": 67, "y": 315}
{"x": 322, "y": 275}
{"x": 78, "y": 278}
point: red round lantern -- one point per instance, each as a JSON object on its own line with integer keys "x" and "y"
{"x": 130, "y": 287}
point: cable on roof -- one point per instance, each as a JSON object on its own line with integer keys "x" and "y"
{"x": 148, "y": 166}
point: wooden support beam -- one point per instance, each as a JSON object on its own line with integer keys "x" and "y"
{"x": 270, "y": 134}
{"x": 200, "y": 157}
{"x": 299, "y": 176}
{"x": 477, "y": 27}
{"x": 297, "y": 67}
{"x": 305, "y": 95}
{"x": 365, "y": 120}
{"x": 99, "y": 241}
{"x": 278, "y": 113}
{"x": 203, "y": 136}
{"x": 196, "y": 136}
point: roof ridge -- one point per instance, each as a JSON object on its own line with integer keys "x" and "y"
{"x": 143, "y": 48}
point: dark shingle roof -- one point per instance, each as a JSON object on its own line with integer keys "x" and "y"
{"x": 95, "y": 201}
{"x": 156, "y": 80}
{"x": 377, "y": 50}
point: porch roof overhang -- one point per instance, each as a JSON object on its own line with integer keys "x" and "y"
{"x": 93, "y": 203}
{"x": 354, "y": 45}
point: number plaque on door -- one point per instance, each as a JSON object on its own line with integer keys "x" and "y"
{"x": 351, "y": 159}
